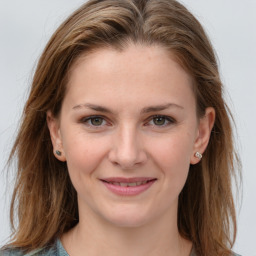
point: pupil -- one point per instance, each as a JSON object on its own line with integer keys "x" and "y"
{"x": 159, "y": 120}
{"x": 96, "y": 121}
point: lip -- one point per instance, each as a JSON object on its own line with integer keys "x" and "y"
{"x": 130, "y": 190}
{"x": 128, "y": 180}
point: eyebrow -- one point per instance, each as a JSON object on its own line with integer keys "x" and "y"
{"x": 160, "y": 107}
{"x": 93, "y": 107}
{"x": 145, "y": 110}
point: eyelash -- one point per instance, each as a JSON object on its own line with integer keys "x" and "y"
{"x": 167, "y": 121}
{"x": 88, "y": 119}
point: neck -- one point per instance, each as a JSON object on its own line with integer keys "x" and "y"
{"x": 96, "y": 236}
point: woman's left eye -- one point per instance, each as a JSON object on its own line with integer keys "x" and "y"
{"x": 161, "y": 121}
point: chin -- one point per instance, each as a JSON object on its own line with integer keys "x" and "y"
{"x": 129, "y": 218}
{"x": 128, "y": 222}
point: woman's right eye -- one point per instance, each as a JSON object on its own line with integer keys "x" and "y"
{"x": 94, "y": 121}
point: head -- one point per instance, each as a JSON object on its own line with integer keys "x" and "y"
{"x": 205, "y": 207}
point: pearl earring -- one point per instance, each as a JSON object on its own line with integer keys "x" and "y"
{"x": 198, "y": 155}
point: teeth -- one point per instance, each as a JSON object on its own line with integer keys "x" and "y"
{"x": 130, "y": 184}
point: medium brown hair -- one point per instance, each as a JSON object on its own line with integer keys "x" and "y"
{"x": 45, "y": 199}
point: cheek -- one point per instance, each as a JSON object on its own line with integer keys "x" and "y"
{"x": 83, "y": 154}
{"x": 172, "y": 154}
{"x": 176, "y": 145}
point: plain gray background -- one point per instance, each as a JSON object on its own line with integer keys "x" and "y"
{"x": 25, "y": 27}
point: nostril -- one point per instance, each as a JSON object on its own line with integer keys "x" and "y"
{"x": 127, "y": 155}
{"x": 115, "y": 163}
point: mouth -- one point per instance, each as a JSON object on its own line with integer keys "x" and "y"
{"x": 128, "y": 182}
{"x": 128, "y": 186}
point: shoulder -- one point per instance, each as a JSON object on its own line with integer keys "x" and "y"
{"x": 53, "y": 250}
{"x": 20, "y": 252}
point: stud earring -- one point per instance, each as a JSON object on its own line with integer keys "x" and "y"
{"x": 58, "y": 152}
{"x": 198, "y": 155}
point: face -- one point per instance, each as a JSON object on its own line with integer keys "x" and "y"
{"x": 128, "y": 131}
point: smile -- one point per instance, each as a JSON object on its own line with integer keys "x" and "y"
{"x": 130, "y": 184}
{"x": 128, "y": 187}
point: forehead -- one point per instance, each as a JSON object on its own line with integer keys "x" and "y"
{"x": 137, "y": 71}
{"x": 153, "y": 58}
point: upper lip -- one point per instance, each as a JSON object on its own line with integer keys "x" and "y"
{"x": 127, "y": 180}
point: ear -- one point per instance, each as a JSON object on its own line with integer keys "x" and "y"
{"x": 204, "y": 132}
{"x": 54, "y": 128}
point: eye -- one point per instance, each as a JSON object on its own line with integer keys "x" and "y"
{"x": 94, "y": 121}
{"x": 161, "y": 121}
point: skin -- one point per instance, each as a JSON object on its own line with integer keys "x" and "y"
{"x": 134, "y": 85}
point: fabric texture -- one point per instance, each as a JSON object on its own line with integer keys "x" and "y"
{"x": 56, "y": 250}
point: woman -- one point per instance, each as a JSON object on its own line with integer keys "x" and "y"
{"x": 126, "y": 143}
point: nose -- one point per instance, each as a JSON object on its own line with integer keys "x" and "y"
{"x": 127, "y": 149}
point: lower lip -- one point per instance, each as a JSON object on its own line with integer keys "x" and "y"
{"x": 128, "y": 191}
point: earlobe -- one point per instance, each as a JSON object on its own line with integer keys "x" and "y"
{"x": 54, "y": 129}
{"x": 204, "y": 132}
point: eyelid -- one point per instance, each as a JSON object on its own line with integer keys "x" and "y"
{"x": 170, "y": 120}
{"x": 85, "y": 120}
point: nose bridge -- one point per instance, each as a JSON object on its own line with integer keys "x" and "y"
{"x": 127, "y": 150}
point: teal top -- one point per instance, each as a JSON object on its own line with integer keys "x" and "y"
{"x": 56, "y": 250}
